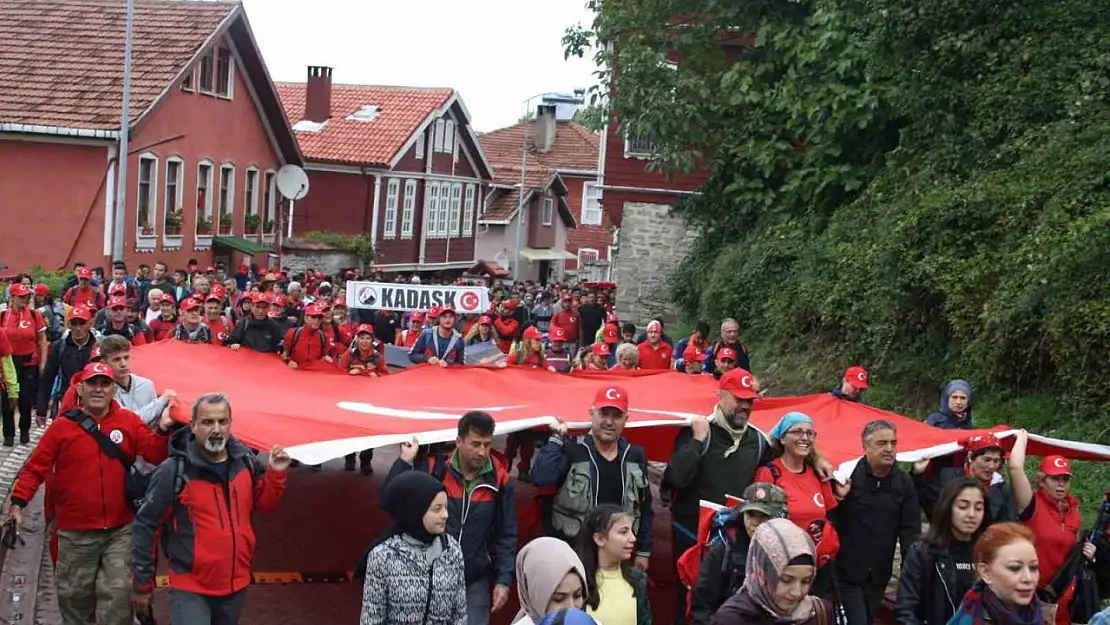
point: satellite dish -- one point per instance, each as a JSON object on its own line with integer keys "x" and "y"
{"x": 292, "y": 182}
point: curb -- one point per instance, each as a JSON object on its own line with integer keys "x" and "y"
{"x": 19, "y": 579}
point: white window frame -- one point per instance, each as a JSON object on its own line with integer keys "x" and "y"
{"x": 408, "y": 211}
{"x": 269, "y": 195}
{"x": 548, "y": 211}
{"x": 456, "y": 208}
{"x": 431, "y": 208}
{"x": 389, "y": 224}
{"x": 631, "y": 150}
{"x": 444, "y": 208}
{"x": 230, "y": 93}
{"x": 439, "y": 135}
{"x": 420, "y": 146}
{"x": 250, "y": 191}
{"x": 227, "y": 201}
{"x": 178, "y": 191}
{"x": 151, "y": 194}
{"x": 581, "y": 262}
{"x": 189, "y": 82}
{"x": 589, "y": 210}
{"x": 207, "y": 193}
{"x": 448, "y": 136}
{"x": 207, "y": 59}
{"x": 468, "y": 211}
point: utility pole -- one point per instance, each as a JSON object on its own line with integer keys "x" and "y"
{"x": 124, "y": 139}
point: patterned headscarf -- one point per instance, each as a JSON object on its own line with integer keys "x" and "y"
{"x": 775, "y": 543}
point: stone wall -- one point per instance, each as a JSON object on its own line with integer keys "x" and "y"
{"x": 651, "y": 242}
{"x": 328, "y": 261}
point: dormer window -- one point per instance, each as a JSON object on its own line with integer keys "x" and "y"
{"x": 367, "y": 113}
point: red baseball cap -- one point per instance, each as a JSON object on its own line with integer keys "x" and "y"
{"x": 259, "y": 298}
{"x": 314, "y": 310}
{"x": 117, "y": 302}
{"x": 726, "y": 353}
{"x": 244, "y": 268}
{"x": 434, "y": 312}
{"x": 611, "y": 397}
{"x": 485, "y": 320}
{"x": 740, "y": 383}
{"x": 365, "y": 328}
{"x": 557, "y": 333}
{"x": 600, "y": 349}
{"x": 418, "y": 317}
{"x": 96, "y": 370}
{"x": 20, "y": 290}
{"x": 117, "y": 288}
{"x": 167, "y": 297}
{"x": 610, "y": 333}
{"x": 83, "y": 273}
{"x": 209, "y": 269}
{"x": 693, "y": 353}
{"x": 80, "y": 312}
{"x": 509, "y": 303}
{"x": 279, "y": 300}
{"x": 982, "y": 442}
{"x": 190, "y": 304}
{"x": 856, "y": 376}
{"x": 94, "y": 354}
{"x": 447, "y": 310}
{"x": 533, "y": 333}
{"x": 1055, "y": 465}
{"x": 611, "y": 318}
{"x": 42, "y": 290}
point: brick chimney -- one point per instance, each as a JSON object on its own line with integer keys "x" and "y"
{"x": 545, "y": 127}
{"x": 317, "y": 97}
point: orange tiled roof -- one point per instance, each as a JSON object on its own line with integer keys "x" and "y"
{"x": 61, "y": 63}
{"x": 575, "y": 147}
{"x": 402, "y": 109}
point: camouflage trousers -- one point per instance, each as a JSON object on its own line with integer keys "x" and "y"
{"x": 93, "y": 576}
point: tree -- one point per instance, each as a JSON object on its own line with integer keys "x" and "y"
{"x": 592, "y": 116}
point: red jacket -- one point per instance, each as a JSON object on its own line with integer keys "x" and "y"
{"x": 207, "y": 521}
{"x": 506, "y": 328}
{"x": 310, "y": 345}
{"x": 373, "y": 362}
{"x": 162, "y": 329}
{"x": 88, "y": 485}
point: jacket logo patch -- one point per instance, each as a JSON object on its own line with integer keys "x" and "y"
{"x": 116, "y": 436}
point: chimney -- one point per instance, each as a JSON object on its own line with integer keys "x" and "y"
{"x": 545, "y": 127}
{"x": 317, "y": 96}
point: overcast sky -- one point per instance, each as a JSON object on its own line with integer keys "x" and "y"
{"x": 496, "y": 53}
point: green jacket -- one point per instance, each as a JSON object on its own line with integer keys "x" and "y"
{"x": 643, "y": 608}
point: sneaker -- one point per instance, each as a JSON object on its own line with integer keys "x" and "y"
{"x": 8, "y": 442}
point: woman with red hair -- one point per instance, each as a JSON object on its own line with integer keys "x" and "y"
{"x": 1006, "y": 594}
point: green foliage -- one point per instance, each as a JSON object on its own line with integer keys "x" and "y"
{"x": 922, "y": 187}
{"x": 592, "y": 116}
{"x": 56, "y": 280}
{"x": 356, "y": 243}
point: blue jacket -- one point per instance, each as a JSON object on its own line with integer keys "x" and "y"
{"x": 482, "y": 518}
{"x": 553, "y": 465}
{"x": 451, "y": 349}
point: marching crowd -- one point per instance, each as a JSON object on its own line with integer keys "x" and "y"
{"x": 126, "y": 487}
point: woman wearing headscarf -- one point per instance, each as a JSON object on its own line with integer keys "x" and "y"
{"x": 549, "y": 577}
{"x": 780, "y": 571}
{"x": 955, "y": 407}
{"x": 414, "y": 571}
{"x": 809, "y": 500}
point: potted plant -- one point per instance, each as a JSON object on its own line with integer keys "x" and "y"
{"x": 204, "y": 225}
{"x": 173, "y": 223}
{"x": 269, "y": 226}
{"x": 225, "y": 222}
{"x": 252, "y": 222}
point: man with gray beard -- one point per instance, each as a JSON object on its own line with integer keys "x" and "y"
{"x": 202, "y": 498}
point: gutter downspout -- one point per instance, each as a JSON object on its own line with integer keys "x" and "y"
{"x": 423, "y": 227}
{"x": 374, "y": 211}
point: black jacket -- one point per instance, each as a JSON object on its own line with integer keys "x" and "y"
{"x": 699, "y": 471}
{"x": 928, "y": 592}
{"x": 260, "y": 336}
{"x": 1000, "y": 500}
{"x": 63, "y": 360}
{"x": 876, "y": 514}
{"x": 721, "y": 573}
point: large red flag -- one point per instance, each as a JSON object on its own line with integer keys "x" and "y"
{"x": 318, "y": 413}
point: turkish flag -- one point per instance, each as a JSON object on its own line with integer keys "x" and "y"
{"x": 318, "y": 413}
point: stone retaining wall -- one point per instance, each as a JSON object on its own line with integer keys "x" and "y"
{"x": 651, "y": 243}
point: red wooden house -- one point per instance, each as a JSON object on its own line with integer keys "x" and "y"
{"x": 400, "y": 165}
{"x": 207, "y": 134}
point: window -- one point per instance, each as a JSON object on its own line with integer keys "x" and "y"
{"x": 409, "y": 208}
{"x": 639, "y": 145}
{"x": 204, "y": 198}
{"x": 439, "y": 134}
{"x": 448, "y": 136}
{"x": 223, "y": 72}
{"x": 227, "y": 191}
{"x": 206, "y": 78}
{"x": 393, "y": 188}
{"x": 420, "y": 146}
{"x": 456, "y": 208}
{"x": 468, "y": 211}
{"x": 591, "y": 204}
{"x": 252, "y": 222}
{"x": 548, "y": 211}
{"x": 444, "y": 207}
{"x": 175, "y": 170}
{"x": 147, "y": 199}
{"x": 269, "y": 179}
{"x": 187, "y": 82}
{"x": 431, "y": 208}
{"x": 586, "y": 255}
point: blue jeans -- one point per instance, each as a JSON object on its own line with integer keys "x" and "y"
{"x": 478, "y": 600}
{"x": 188, "y": 608}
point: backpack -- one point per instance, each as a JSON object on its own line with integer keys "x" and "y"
{"x": 297, "y": 337}
{"x": 669, "y": 490}
{"x": 180, "y": 481}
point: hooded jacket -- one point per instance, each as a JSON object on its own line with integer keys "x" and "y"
{"x": 944, "y": 418}
{"x": 64, "y": 359}
{"x": 204, "y": 516}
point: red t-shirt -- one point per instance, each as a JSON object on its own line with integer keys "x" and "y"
{"x": 567, "y": 320}
{"x": 220, "y": 329}
{"x": 23, "y": 332}
{"x": 655, "y": 358}
{"x": 5, "y": 345}
{"x": 808, "y": 501}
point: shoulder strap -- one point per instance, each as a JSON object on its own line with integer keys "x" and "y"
{"x": 293, "y": 342}
{"x": 109, "y": 448}
{"x": 775, "y": 473}
{"x": 437, "y": 468}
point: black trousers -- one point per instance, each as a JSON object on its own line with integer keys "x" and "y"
{"x": 28, "y": 376}
{"x": 364, "y": 457}
{"x": 861, "y": 601}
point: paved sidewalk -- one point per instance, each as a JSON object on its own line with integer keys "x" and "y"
{"x": 19, "y": 579}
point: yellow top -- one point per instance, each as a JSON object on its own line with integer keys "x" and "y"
{"x": 616, "y": 603}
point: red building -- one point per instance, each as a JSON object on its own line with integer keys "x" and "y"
{"x": 207, "y": 134}
{"x": 401, "y": 165}
{"x": 558, "y": 149}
